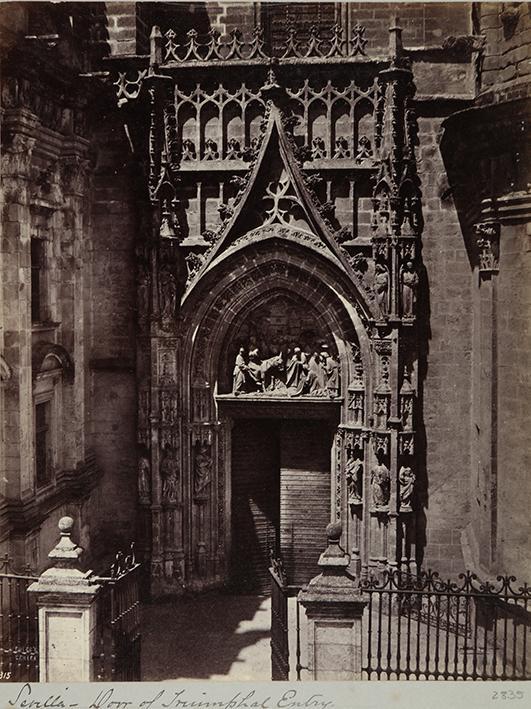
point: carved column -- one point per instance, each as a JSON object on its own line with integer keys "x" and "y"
{"x": 397, "y": 226}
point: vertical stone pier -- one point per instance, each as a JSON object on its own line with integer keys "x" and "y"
{"x": 334, "y": 608}
{"x": 67, "y": 614}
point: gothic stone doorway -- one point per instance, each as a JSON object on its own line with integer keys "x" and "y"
{"x": 280, "y": 498}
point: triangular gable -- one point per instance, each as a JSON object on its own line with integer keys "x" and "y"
{"x": 284, "y": 200}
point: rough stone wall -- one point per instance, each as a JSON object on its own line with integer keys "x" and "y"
{"x": 446, "y": 385}
{"x": 112, "y": 348}
{"x": 45, "y": 177}
{"x": 507, "y": 54}
{"x": 425, "y": 24}
{"x": 514, "y": 395}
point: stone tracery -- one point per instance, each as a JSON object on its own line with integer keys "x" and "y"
{"x": 274, "y": 234}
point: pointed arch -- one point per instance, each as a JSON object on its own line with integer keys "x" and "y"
{"x": 275, "y": 143}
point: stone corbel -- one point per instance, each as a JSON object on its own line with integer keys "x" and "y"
{"x": 16, "y": 154}
{"x": 74, "y": 171}
{"x": 488, "y": 244}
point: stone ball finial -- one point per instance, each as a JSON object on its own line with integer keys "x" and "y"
{"x": 334, "y": 531}
{"x": 65, "y": 525}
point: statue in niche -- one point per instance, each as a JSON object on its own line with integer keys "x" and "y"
{"x": 170, "y": 474}
{"x": 381, "y": 288}
{"x": 144, "y": 479}
{"x": 143, "y": 290}
{"x": 380, "y": 411}
{"x": 167, "y": 292}
{"x": 380, "y": 485}
{"x": 406, "y": 481}
{"x": 410, "y": 281}
{"x": 202, "y": 469}
{"x": 354, "y": 476}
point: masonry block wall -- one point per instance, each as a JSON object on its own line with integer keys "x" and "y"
{"x": 112, "y": 348}
{"x": 514, "y": 394}
{"x": 475, "y": 460}
{"x": 47, "y": 467}
{"x": 129, "y": 23}
{"x": 447, "y": 382}
{"x": 507, "y": 54}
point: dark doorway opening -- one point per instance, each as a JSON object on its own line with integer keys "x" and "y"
{"x": 281, "y": 498}
{"x": 255, "y": 502}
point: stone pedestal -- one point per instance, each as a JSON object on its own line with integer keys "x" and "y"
{"x": 334, "y": 608}
{"x": 67, "y": 614}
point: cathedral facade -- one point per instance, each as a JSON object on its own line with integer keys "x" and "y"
{"x": 263, "y": 270}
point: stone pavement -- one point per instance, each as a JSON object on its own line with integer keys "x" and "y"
{"x": 212, "y": 636}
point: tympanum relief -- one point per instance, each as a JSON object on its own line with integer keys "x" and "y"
{"x": 291, "y": 373}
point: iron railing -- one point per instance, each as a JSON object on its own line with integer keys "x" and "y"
{"x": 281, "y": 631}
{"x": 421, "y": 627}
{"x": 19, "y": 636}
{"x": 118, "y": 638}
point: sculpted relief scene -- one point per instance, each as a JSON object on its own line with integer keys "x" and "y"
{"x": 283, "y": 351}
{"x": 280, "y": 262}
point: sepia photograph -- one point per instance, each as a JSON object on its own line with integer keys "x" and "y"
{"x": 265, "y": 353}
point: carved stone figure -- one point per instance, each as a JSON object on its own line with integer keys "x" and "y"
{"x": 143, "y": 290}
{"x": 167, "y": 292}
{"x": 380, "y": 485}
{"x": 144, "y": 480}
{"x": 381, "y": 288}
{"x": 239, "y": 373}
{"x": 168, "y": 407}
{"x": 380, "y": 411}
{"x": 273, "y": 374}
{"x": 356, "y": 406}
{"x": 169, "y": 472}
{"x": 354, "y": 476}
{"x": 406, "y": 480}
{"x": 202, "y": 469}
{"x": 316, "y": 384}
{"x": 300, "y": 375}
{"x": 331, "y": 372}
{"x": 254, "y": 370}
{"x": 410, "y": 281}
{"x": 296, "y": 372}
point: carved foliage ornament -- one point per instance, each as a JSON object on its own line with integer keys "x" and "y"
{"x": 488, "y": 242}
